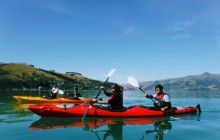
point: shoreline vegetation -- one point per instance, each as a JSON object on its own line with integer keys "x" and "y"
{"x": 17, "y": 76}
{"x": 20, "y": 76}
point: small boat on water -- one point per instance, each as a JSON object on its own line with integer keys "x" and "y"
{"x": 98, "y": 111}
{"x": 32, "y": 99}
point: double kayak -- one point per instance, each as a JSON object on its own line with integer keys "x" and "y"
{"x": 99, "y": 111}
{"x": 32, "y": 99}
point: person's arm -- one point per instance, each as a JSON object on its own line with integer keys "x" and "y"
{"x": 100, "y": 102}
{"x": 106, "y": 93}
{"x": 166, "y": 103}
{"x": 147, "y": 95}
{"x": 164, "y": 108}
{"x": 166, "y": 98}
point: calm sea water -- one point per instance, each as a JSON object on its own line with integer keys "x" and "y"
{"x": 18, "y": 123}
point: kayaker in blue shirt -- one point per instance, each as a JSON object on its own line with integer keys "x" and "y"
{"x": 115, "y": 98}
{"x": 161, "y": 100}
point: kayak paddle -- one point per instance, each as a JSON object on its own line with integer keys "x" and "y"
{"x": 132, "y": 81}
{"x": 60, "y": 92}
{"x": 109, "y": 75}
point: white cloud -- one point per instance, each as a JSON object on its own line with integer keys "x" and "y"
{"x": 180, "y": 36}
{"x": 129, "y": 30}
{"x": 180, "y": 26}
{"x": 51, "y": 5}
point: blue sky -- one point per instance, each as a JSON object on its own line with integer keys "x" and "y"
{"x": 148, "y": 39}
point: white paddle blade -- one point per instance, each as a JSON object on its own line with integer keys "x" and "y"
{"x": 61, "y": 92}
{"x": 132, "y": 81}
{"x": 111, "y": 72}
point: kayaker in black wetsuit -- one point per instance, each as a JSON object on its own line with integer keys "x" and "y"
{"x": 76, "y": 95}
{"x": 161, "y": 100}
{"x": 115, "y": 99}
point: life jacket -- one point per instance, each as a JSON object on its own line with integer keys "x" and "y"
{"x": 115, "y": 101}
{"x": 110, "y": 97}
{"x": 159, "y": 97}
{"x": 159, "y": 100}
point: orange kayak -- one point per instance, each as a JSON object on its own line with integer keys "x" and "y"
{"x": 32, "y": 99}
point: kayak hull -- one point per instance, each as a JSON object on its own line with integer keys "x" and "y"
{"x": 95, "y": 111}
{"x": 31, "y": 99}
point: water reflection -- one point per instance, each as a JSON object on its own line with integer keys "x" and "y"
{"x": 13, "y": 113}
{"x": 160, "y": 128}
{"x": 89, "y": 123}
{"x": 112, "y": 128}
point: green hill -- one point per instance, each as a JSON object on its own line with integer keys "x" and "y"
{"x": 202, "y": 82}
{"x": 23, "y": 76}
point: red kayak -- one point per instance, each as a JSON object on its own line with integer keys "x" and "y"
{"x": 97, "y": 111}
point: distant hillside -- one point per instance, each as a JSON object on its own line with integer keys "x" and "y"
{"x": 23, "y": 76}
{"x": 205, "y": 81}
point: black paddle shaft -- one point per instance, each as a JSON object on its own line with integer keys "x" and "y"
{"x": 100, "y": 89}
{"x": 150, "y": 98}
{"x": 141, "y": 89}
{"x": 86, "y": 112}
